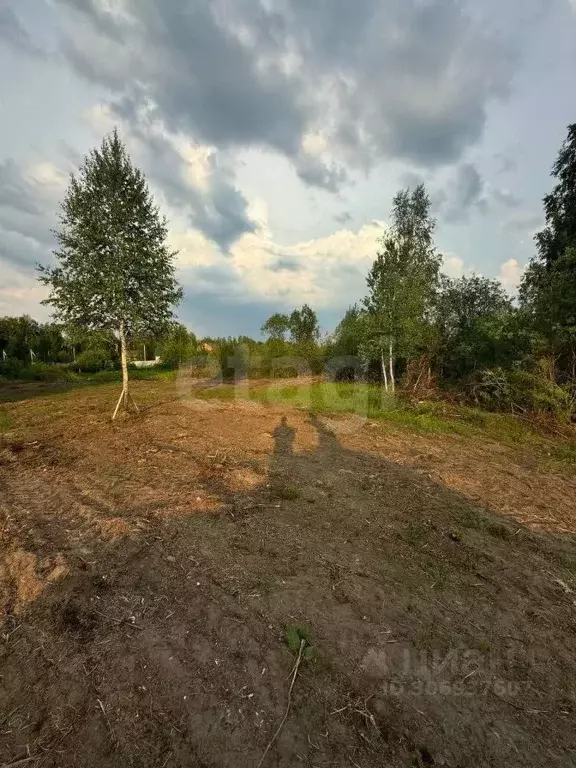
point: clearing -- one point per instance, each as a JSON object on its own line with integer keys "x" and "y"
{"x": 157, "y": 575}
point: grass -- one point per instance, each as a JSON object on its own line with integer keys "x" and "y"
{"x": 372, "y": 402}
{"x": 18, "y": 389}
{"x": 5, "y": 421}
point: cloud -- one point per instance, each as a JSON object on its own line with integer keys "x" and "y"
{"x": 511, "y": 273}
{"x": 408, "y": 79}
{"x": 194, "y": 179}
{"x": 328, "y": 272}
{"x": 506, "y": 164}
{"x": 21, "y": 294}
{"x": 506, "y": 198}
{"x": 524, "y": 222}
{"x": 344, "y": 217}
{"x": 465, "y": 193}
{"x": 28, "y": 204}
{"x": 452, "y": 265}
{"x": 14, "y": 34}
{"x": 15, "y": 191}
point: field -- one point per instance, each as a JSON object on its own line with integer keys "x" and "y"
{"x": 399, "y": 586}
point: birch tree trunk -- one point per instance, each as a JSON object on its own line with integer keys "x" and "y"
{"x": 124, "y": 362}
{"x": 391, "y": 364}
{"x": 384, "y": 373}
{"x": 124, "y": 395}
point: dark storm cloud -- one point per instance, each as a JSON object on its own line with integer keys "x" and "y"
{"x": 317, "y": 173}
{"x": 14, "y": 34}
{"x": 27, "y": 214}
{"x": 218, "y": 209}
{"x": 465, "y": 194}
{"x": 469, "y": 187}
{"x": 343, "y": 218}
{"x": 15, "y": 191}
{"x": 27, "y": 206}
{"x": 380, "y": 78}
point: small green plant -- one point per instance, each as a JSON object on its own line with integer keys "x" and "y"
{"x": 296, "y": 635}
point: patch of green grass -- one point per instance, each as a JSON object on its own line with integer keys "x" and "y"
{"x": 563, "y": 454}
{"x": 5, "y": 421}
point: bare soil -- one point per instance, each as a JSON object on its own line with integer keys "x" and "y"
{"x": 150, "y": 568}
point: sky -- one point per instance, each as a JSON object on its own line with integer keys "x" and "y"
{"x": 275, "y": 133}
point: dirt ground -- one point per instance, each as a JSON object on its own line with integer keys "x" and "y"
{"x": 150, "y": 569}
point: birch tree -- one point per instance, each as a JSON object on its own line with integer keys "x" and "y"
{"x": 402, "y": 283}
{"x": 114, "y": 270}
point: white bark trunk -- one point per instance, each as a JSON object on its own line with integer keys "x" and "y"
{"x": 123, "y": 399}
{"x": 124, "y": 362}
{"x": 391, "y": 364}
{"x": 384, "y": 372}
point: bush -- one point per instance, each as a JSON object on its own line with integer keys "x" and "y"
{"x": 17, "y": 369}
{"x": 12, "y": 368}
{"x": 497, "y": 389}
{"x": 92, "y": 361}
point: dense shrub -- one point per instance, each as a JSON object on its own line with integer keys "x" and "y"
{"x": 92, "y": 361}
{"x": 523, "y": 391}
{"x": 12, "y": 368}
{"x": 18, "y": 370}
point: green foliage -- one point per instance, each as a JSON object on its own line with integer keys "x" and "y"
{"x": 296, "y": 636}
{"x": 5, "y": 421}
{"x": 349, "y": 334}
{"x": 91, "y": 361}
{"x": 114, "y": 271}
{"x": 18, "y": 370}
{"x": 548, "y": 290}
{"x": 276, "y": 327}
{"x": 521, "y": 391}
{"x": 402, "y": 282}
{"x": 474, "y": 326}
{"x": 559, "y": 234}
{"x": 303, "y": 325}
{"x": 113, "y": 264}
{"x": 12, "y": 368}
{"x": 21, "y": 336}
{"x": 177, "y": 346}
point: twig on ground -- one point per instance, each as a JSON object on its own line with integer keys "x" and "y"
{"x": 294, "y": 674}
{"x": 118, "y": 621}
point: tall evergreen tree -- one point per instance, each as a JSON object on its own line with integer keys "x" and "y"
{"x": 559, "y": 234}
{"x": 114, "y": 270}
{"x": 548, "y": 290}
{"x": 402, "y": 282}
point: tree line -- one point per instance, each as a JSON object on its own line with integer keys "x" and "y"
{"x": 113, "y": 290}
